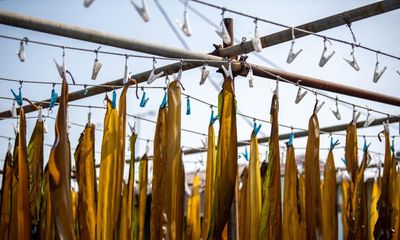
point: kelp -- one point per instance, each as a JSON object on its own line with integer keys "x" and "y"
{"x": 193, "y": 211}
{"x": 158, "y": 184}
{"x": 346, "y": 198}
{"x": 243, "y": 204}
{"x": 46, "y": 226}
{"x": 74, "y": 202}
{"x": 290, "y": 229}
{"x": 13, "y": 232}
{"x": 302, "y": 206}
{"x": 271, "y": 219}
{"x": 5, "y": 214}
{"x": 312, "y": 181}
{"x": 130, "y": 188}
{"x": 253, "y": 191}
{"x": 174, "y": 166}
{"x": 123, "y": 233}
{"x": 226, "y": 163}
{"x": 209, "y": 183}
{"x": 60, "y": 172}
{"x": 395, "y": 198}
{"x": 35, "y": 158}
{"x": 375, "y": 193}
{"x": 383, "y": 227}
{"x": 329, "y": 199}
{"x": 143, "y": 169}
{"x": 351, "y": 151}
{"x": 24, "y": 209}
{"x": 86, "y": 179}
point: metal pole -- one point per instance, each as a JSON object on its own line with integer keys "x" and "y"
{"x": 316, "y": 26}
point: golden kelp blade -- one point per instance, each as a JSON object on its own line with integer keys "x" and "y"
{"x": 74, "y": 202}
{"x": 373, "y": 211}
{"x": 5, "y": 209}
{"x": 24, "y": 209}
{"x": 60, "y": 172}
{"x": 226, "y": 170}
{"x": 107, "y": 181}
{"x": 271, "y": 219}
{"x": 395, "y": 199}
{"x": 351, "y": 151}
{"x": 143, "y": 168}
{"x": 180, "y": 198}
{"x": 86, "y": 178}
{"x": 123, "y": 221}
{"x": 13, "y": 232}
{"x": 312, "y": 181}
{"x": 35, "y": 157}
{"x": 346, "y": 198}
{"x": 290, "y": 229}
{"x": 209, "y": 184}
{"x": 243, "y": 204}
{"x": 253, "y": 191}
{"x": 174, "y": 166}
{"x": 193, "y": 211}
{"x": 158, "y": 183}
{"x": 383, "y": 228}
{"x": 302, "y": 202}
{"x": 329, "y": 208}
{"x": 130, "y": 205}
{"x": 46, "y": 227}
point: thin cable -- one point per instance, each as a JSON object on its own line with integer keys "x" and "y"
{"x": 295, "y": 28}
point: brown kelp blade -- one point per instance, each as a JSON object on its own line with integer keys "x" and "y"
{"x": 271, "y": 216}
{"x": 143, "y": 169}
{"x": 131, "y": 200}
{"x": 253, "y": 191}
{"x": 290, "y": 229}
{"x": 351, "y": 151}
{"x": 5, "y": 209}
{"x": 86, "y": 178}
{"x": 243, "y": 203}
{"x": 13, "y": 232}
{"x": 35, "y": 157}
{"x": 60, "y": 172}
{"x": 302, "y": 206}
{"x": 46, "y": 227}
{"x": 395, "y": 199}
{"x": 329, "y": 208}
{"x": 312, "y": 181}
{"x": 226, "y": 170}
{"x": 346, "y": 199}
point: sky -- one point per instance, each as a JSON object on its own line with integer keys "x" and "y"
{"x": 120, "y": 18}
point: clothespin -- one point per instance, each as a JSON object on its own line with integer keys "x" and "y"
{"x": 204, "y": 73}
{"x": 53, "y": 98}
{"x": 250, "y": 77}
{"x": 18, "y": 98}
{"x": 317, "y": 105}
{"x": 300, "y": 95}
{"x": 188, "y": 105}
{"x": 13, "y": 110}
{"x": 114, "y": 99}
{"x": 369, "y": 120}
{"x": 291, "y": 138}
{"x": 353, "y": 63}
{"x": 96, "y": 65}
{"x": 147, "y": 147}
{"x": 62, "y": 70}
{"x": 256, "y": 128}
{"x": 152, "y": 76}
{"x": 144, "y": 100}
{"x": 276, "y": 91}
{"x": 87, "y": 3}
{"x": 245, "y": 154}
{"x": 45, "y": 128}
{"x": 377, "y": 73}
{"x": 292, "y": 55}
{"x": 89, "y": 116}
{"x": 132, "y": 128}
{"x": 343, "y": 160}
{"x": 333, "y": 144}
{"x": 164, "y": 101}
{"x": 40, "y": 114}
{"x": 85, "y": 90}
{"x": 366, "y": 146}
{"x": 212, "y": 118}
{"x": 223, "y": 33}
{"x": 143, "y": 11}
{"x": 228, "y": 72}
{"x": 186, "y": 28}
{"x": 325, "y": 56}
{"x": 21, "y": 51}
{"x": 125, "y": 79}
{"x": 179, "y": 75}
{"x": 336, "y": 112}
{"x": 356, "y": 115}
{"x": 256, "y": 41}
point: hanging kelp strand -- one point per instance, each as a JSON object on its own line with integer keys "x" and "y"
{"x": 158, "y": 183}
{"x": 351, "y": 150}
{"x": 123, "y": 232}
{"x": 253, "y": 191}
{"x": 243, "y": 203}
{"x": 312, "y": 181}
{"x": 395, "y": 198}
{"x": 24, "y": 220}
{"x": 383, "y": 228}
{"x": 290, "y": 229}
{"x": 329, "y": 208}
{"x": 5, "y": 209}
{"x": 302, "y": 203}
{"x": 346, "y": 198}
{"x": 131, "y": 200}
{"x": 60, "y": 172}
{"x": 193, "y": 211}
{"x": 35, "y": 157}
{"x": 13, "y": 232}
{"x": 74, "y": 202}
{"x": 86, "y": 178}
{"x": 143, "y": 168}
{"x": 372, "y": 209}
{"x": 46, "y": 227}
{"x": 226, "y": 166}
{"x": 270, "y": 219}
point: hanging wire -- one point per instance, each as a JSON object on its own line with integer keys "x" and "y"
{"x": 295, "y": 28}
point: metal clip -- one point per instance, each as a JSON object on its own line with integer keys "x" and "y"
{"x": 250, "y": 77}
{"x": 143, "y": 11}
{"x": 62, "y": 71}
{"x": 369, "y": 120}
{"x": 125, "y": 79}
{"x": 204, "y": 73}
{"x": 336, "y": 112}
{"x": 152, "y": 76}
{"x": 377, "y": 73}
{"x": 228, "y": 72}
{"x": 325, "y": 56}
{"x": 353, "y": 63}
{"x": 292, "y": 55}
{"x": 186, "y": 28}
{"x": 356, "y": 115}
{"x": 53, "y": 98}
{"x": 13, "y": 110}
{"x": 40, "y": 114}
{"x": 96, "y": 65}
{"x": 89, "y": 116}
{"x": 256, "y": 41}
{"x": 224, "y": 31}
{"x": 300, "y": 95}
{"x": 21, "y": 51}
{"x": 318, "y": 106}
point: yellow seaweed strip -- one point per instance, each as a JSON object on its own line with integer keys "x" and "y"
{"x": 130, "y": 198}
{"x": 5, "y": 210}
{"x": 193, "y": 211}
{"x": 329, "y": 208}
{"x": 143, "y": 168}
{"x": 373, "y": 211}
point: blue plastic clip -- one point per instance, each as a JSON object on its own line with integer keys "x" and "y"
{"x": 291, "y": 137}
{"x": 188, "y": 105}
{"x": 343, "y": 160}
{"x": 53, "y": 98}
{"x": 366, "y": 146}
{"x": 212, "y": 118}
{"x": 256, "y": 128}
{"x": 144, "y": 100}
{"x": 114, "y": 99}
{"x": 334, "y": 144}
{"x": 245, "y": 154}
{"x": 164, "y": 101}
{"x": 18, "y": 98}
